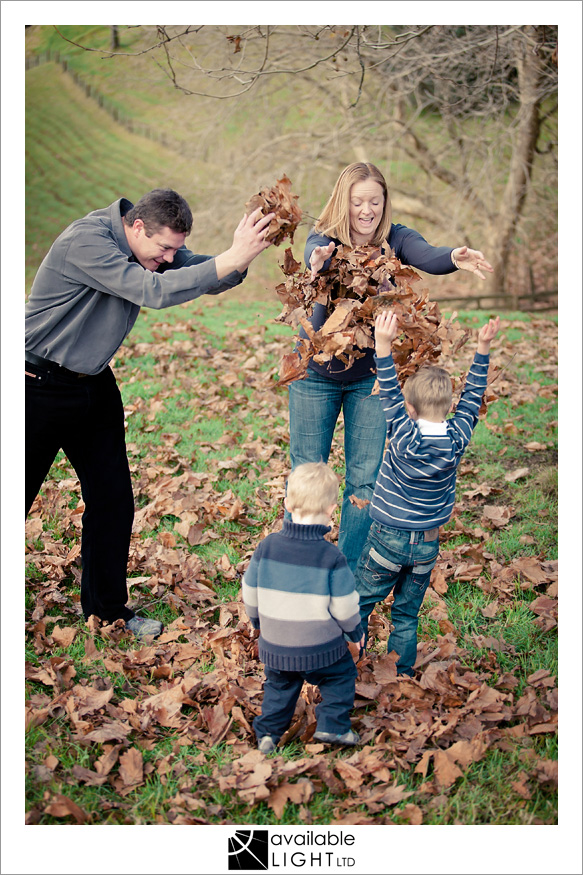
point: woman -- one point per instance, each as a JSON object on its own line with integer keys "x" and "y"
{"x": 358, "y": 212}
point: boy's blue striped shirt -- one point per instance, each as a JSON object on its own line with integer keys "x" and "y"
{"x": 415, "y": 488}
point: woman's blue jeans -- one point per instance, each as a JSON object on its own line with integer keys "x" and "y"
{"x": 314, "y": 407}
{"x": 397, "y": 561}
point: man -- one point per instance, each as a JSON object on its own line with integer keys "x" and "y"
{"x": 84, "y": 301}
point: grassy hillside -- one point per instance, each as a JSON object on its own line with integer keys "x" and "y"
{"x": 79, "y": 158}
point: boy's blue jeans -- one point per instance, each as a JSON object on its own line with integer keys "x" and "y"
{"x": 282, "y": 689}
{"x": 397, "y": 561}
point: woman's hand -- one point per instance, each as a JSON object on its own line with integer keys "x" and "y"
{"x": 472, "y": 260}
{"x": 320, "y": 254}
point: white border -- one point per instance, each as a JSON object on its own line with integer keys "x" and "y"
{"x": 147, "y": 849}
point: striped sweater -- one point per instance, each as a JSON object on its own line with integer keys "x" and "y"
{"x": 299, "y": 591}
{"x": 415, "y": 488}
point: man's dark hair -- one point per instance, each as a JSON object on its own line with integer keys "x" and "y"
{"x": 161, "y": 208}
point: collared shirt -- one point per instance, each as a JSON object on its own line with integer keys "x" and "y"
{"x": 88, "y": 291}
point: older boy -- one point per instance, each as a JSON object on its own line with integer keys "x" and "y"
{"x": 299, "y": 591}
{"x": 415, "y": 489}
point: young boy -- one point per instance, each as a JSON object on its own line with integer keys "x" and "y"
{"x": 415, "y": 489}
{"x": 300, "y": 592}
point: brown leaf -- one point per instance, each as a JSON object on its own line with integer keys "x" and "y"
{"x": 520, "y": 786}
{"x": 299, "y": 793}
{"x": 517, "y": 474}
{"x": 87, "y": 776}
{"x": 63, "y": 637}
{"x": 114, "y": 731}
{"x": 62, "y": 806}
{"x": 547, "y": 772}
{"x": 131, "y": 767}
{"x": 358, "y": 502}
{"x": 88, "y": 699}
{"x": 446, "y": 771}
{"x": 351, "y": 776}
{"x": 217, "y": 721}
{"x": 497, "y": 516}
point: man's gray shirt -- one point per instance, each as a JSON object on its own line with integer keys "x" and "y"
{"x": 89, "y": 289}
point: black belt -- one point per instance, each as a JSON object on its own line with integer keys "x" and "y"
{"x": 50, "y": 366}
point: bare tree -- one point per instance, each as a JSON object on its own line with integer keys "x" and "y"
{"x": 472, "y": 109}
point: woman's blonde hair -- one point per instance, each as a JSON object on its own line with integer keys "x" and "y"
{"x": 334, "y": 220}
{"x": 311, "y": 489}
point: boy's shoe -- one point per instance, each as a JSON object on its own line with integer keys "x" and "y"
{"x": 143, "y": 627}
{"x": 266, "y": 744}
{"x": 349, "y": 738}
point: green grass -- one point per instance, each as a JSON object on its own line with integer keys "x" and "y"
{"x": 484, "y": 793}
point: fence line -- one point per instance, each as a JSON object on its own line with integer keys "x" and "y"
{"x": 525, "y": 302}
{"x": 111, "y": 108}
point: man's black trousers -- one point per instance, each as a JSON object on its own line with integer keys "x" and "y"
{"x": 83, "y": 416}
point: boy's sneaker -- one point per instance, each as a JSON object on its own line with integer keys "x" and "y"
{"x": 143, "y": 627}
{"x": 349, "y": 738}
{"x": 266, "y": 744}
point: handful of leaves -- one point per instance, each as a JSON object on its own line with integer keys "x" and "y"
{"x": 358, "y": 283}
{"x": 279, "y": 200}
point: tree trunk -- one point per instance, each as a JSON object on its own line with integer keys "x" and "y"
{"x": 114, "y": 35}
{"x": 527, "y": 127}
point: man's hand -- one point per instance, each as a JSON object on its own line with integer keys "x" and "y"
{"x": 486, "y": 335}
{"x": 472, "y": 260}
{"x": 386, "y": 328}
{"x": 248, "y": 241}
{"x": 320, "y": 254}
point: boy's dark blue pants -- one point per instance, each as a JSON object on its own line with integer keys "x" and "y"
{"x": 282, "y": 689}
{"x": 84, "y": 417}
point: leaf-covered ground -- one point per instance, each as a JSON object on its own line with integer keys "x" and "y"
{"x": 160, "y": 732}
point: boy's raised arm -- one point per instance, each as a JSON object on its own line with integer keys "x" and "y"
{"x": 386, "y": 330}
{"x": 486, "y": 335}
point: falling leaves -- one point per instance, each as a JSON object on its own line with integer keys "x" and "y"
{"x": 359, "y": 282}
{"x": 280, "y": 200}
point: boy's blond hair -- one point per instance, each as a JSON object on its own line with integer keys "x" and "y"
{"x": 429, "y": 391}
{"x": 311, "y": 489}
